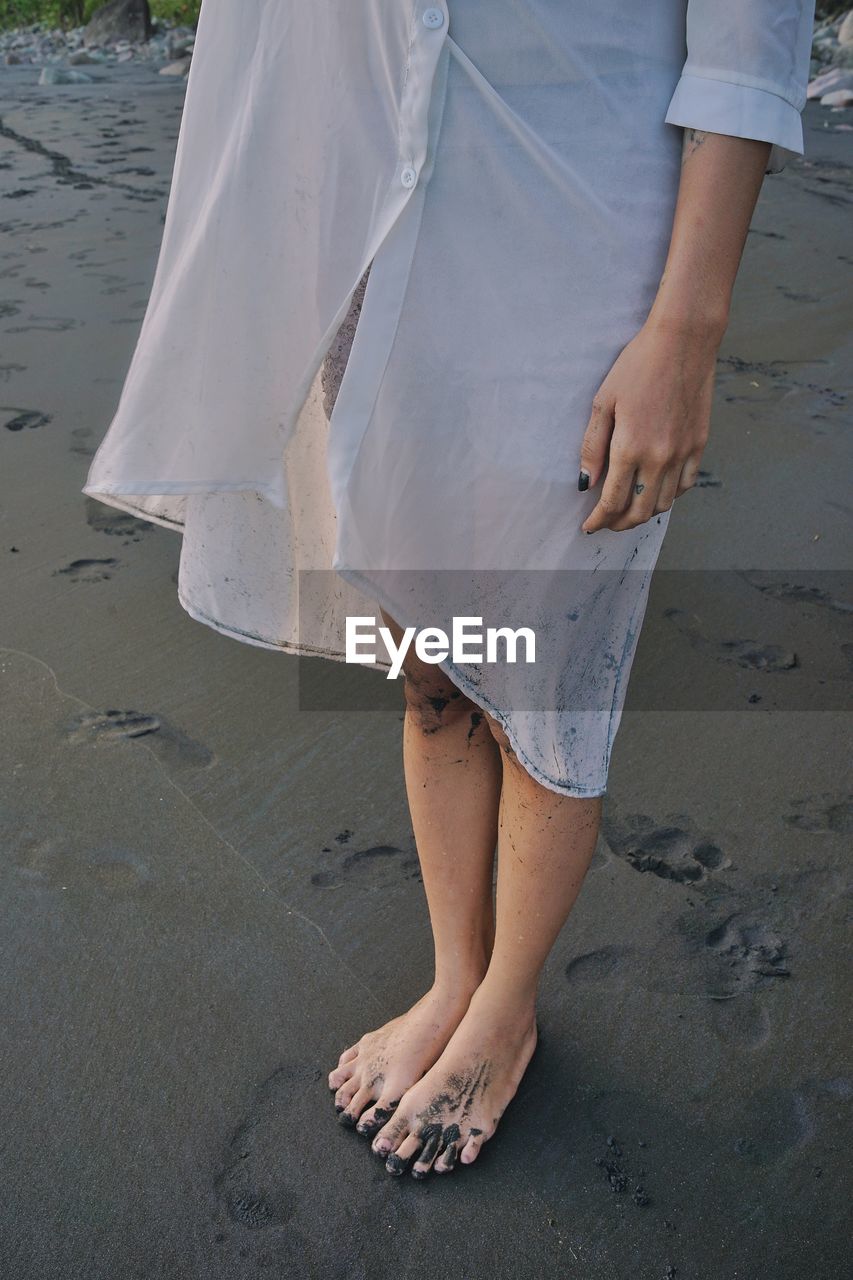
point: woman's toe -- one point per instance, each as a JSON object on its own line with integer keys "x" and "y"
{"x": 353, "y": 1109}
{"x": 471, "y": 1149}
{"x": 431, "y": 1137}
{"x": 340, "y": 1075}
{"x": 373, "y": 1119}
{"x": 398, "y": 1161}
{"x": 390, "y": 1136}
{"x": 346, "y": 1093}
{"x": 447, "y": 1157}
{"x": 446, "y": 1162}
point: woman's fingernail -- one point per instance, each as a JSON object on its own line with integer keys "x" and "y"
{"x": 583, "y": 481}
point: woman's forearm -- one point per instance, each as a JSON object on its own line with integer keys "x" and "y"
{"x": 720, "y": 182}
{"x": 651, "y": 415}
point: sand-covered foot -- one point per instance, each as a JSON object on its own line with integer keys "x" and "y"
{"x": 455, "y": 1107}
{"x": 372, "y": 1075}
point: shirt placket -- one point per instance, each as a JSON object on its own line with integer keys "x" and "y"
{"x": 429, "y": 31}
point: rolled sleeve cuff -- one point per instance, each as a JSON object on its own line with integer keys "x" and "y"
{"x": 723, "y": 106}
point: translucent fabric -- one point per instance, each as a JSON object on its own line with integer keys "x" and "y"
{"x": 502, "y": 176}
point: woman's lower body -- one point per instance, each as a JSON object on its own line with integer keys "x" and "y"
{"x": 430, "y": 1087}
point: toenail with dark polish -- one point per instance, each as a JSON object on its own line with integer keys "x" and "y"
{"x": 339, "y": 1107}
{"x": 346, "y": 1119}
{"x": 396, "y": 1164}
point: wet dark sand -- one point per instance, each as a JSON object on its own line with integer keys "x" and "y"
{"x": 207, "y": 893}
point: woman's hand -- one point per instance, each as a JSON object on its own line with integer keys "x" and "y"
{"x": 650, "y": 417}
{"x": 649, "y": 424}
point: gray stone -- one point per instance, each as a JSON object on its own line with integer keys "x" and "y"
{"x": 63, "y": 75}
{"x": 179, "y": 68}
{"x": 843, "y": 56}
{"x": 837, "y": 98}
{"x": 119, "y": 20}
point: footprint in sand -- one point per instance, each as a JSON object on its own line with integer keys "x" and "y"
{"x": 782, "y": 1122}
{"x": 672, "y": 852}
{"x": 171, "y": 744}
{"x": 24, "y": 418}
{"x": 742, "y": 653}
{"x": 89, "y": 570}
{"x": 740, "y": 954}
{"x": 825, "y": 812}
{"x": 802, "y": 593}
{"x": 598, "y": 966}
{"x": 258, "y": 1186}
{"x": 47, "y": 324}
{"x": 54, "y": 863}
{"x": 81, "y": 449}
{"x": 741, "y": 1022}
{"x": 369, "y": 858}
{"x": 120, "y": 523}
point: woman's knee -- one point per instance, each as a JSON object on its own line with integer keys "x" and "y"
{"x": 432, "y": 699}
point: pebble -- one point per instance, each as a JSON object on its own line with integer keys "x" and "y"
{"x": 832, "y": 48}
{"x": 57, "y": 52}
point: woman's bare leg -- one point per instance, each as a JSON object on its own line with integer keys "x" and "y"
{"x": 546, "y": 841}
{"x": 453, "y": 776}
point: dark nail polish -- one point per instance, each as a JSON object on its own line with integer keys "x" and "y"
{"x": 583, "y": 481}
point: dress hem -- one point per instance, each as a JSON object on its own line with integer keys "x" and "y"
{"x": 471, "y": 691}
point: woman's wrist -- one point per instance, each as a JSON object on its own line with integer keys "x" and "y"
{"x": 694, "y": 324}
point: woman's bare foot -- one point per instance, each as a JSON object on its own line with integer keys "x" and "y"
{"x": 385, "y": 1063}
{"x": 452, "y": 1110}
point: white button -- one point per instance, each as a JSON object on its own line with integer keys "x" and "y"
{"x": 433, "y": 17}
{"x": 409, "y": 176}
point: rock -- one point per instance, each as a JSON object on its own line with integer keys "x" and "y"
{"x": 119, "y": 20}
{"x": 179, "y": 68}
{"x": 845, "y": 31}
{"x": 833, "y": 80}
{"x": 63, "y": 75}
{"x": 843, "y": 56}
{"x": 78, "y": 57}
{"x": 12, "y": 59}
{"x": 838, "y": 98}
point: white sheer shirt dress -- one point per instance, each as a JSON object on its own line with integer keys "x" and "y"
{"x": 502, "y": 176}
